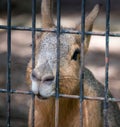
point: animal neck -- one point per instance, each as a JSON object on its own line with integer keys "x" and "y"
{"x": 67, "y": 106}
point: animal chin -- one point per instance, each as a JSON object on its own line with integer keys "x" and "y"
{"x": 44, "y": 97}
{"x": 41, "y": 97}
{"x": 45, "y": 92}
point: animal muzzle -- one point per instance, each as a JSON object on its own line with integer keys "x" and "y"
{"x": 43, "y": 81}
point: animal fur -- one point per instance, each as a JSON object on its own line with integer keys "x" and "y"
{"x": 43, "y": 78}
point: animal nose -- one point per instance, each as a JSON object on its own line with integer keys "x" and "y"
{"x": 43, "y": 73}
{"x": 34, "y": 76}
{"x": 47, "y": 78}
{"x": 44, "y": 78}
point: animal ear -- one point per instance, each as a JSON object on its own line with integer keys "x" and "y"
{"x": 89, "y": 20}
{"x": 47, "y": 13}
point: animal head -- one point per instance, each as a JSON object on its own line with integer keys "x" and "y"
{"x": 43, "y": 75}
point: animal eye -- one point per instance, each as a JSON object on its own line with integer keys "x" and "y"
{"x": 75, "y": 54}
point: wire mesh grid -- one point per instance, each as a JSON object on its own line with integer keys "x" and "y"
{"x": 58, "y": 31}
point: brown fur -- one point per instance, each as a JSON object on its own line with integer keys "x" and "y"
{"x": 69, "y": 109}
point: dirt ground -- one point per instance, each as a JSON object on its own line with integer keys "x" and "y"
{"x": 21, "y": 52}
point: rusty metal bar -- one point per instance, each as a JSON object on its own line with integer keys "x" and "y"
{"x": 58, "y": 64}
{"x": 33, "y": 54}
{"x": 82, "y": 60}
{"x": 8, "y": 84}
{"x": 67, "y": 31}
{"x": 107, "y": 64}
{"x": 62, "y": 95}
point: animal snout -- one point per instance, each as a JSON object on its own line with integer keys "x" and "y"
{"x": 43, "y": 78}
{"x": 35, "y": 76}
{"x": 47, "y": 78}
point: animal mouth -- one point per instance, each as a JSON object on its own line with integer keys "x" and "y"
{"x": 41, "y": 97}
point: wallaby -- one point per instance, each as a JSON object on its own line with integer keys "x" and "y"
{"x": 43, "y": 77}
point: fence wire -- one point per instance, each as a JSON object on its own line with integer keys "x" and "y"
{"x": 58, "y": 31}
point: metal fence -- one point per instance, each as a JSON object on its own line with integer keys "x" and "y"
{"x": 58, "y": 31}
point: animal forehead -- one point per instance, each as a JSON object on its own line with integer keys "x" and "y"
{"x": 49, "y": 41}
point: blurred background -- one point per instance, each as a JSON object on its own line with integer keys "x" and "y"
{"x": 21, "y": 50}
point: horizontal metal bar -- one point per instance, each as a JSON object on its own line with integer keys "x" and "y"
{"x": 25, "y": 28}
{"x": 89, "y": 98}
{"x": 61, "y": 95}
{"x": 67, "y": 31}
{"x": 16, "y": 91}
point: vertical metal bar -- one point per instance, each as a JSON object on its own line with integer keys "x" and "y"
{"x": 33, "y": 110}
{"x": 33, "y": 52}
{"x": 33, "y": 31}
{"x": 8, "y": 61}
{"x": 82, "y": 60}
{"x": 58, "y": 64}
{"x": 107, "y": 63}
